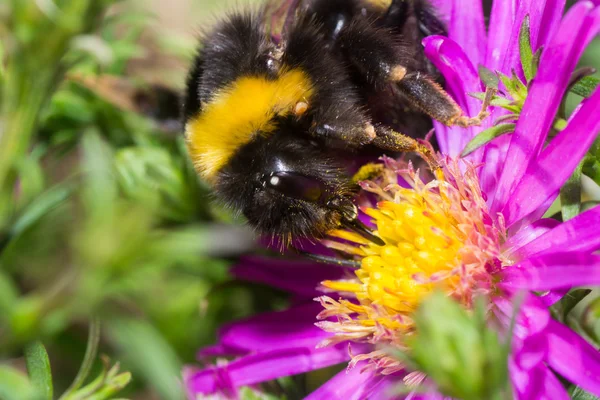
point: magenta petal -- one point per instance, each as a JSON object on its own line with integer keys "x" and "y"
{"x": 579, "y": 234}
{"x": 574, "y": 358}
{"x": 501, "y": 22}
{"x": 553, "y": 271}
{"x": 346, "y": 385}
{"x": 467, "y": 28}
{"x": 301, "y": 278}
{"x": 461, "y": 78}
{"x": 511, "y": 60}
{"x": 261, "y": 367}
{"x": 557, "y": 161}
{"x": 538, "y": 383}
{"x": 291, "y": 328}
{"x": 556, "y": 64}
{"x": 553, "y": 12}
{"x": 526, "y": 235}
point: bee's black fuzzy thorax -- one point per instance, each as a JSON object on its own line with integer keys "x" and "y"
{"x": 270, "y": 125}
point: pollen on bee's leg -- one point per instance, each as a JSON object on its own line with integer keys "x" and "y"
{"x": 370, "y": 131}
{"x": 397, "y": 73}
{"x": 300, "y": 108}
{"x": 388, "y": 139}
{"x": 433, "y": 100}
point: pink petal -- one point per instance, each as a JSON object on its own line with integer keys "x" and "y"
{"x": 346, "y": 385}
{"x": 526, "y": 235}
{"x": 557, "y": 62}
{"x": 551, "y": 17}
{"x": 538, "y": 383}
{"x": 291, "y": 328}
{"x": 579, "y": 234}
{"x": 297, "y": 277}
{"x": 501, "y": 23}
{"x": 572, "y": 357}
{"x": 461, "y": 78}
{"x": 553, "y": 271}
{"x": 557, "y": 162}
{"x": 261, "y": 367}
{"x": 467, "y": 28}
{"x": 512, "y": 58}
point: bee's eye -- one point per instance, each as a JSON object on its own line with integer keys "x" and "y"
{"x": 296, "y": 185}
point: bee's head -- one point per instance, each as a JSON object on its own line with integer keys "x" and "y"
{"x": 288, "y": 186}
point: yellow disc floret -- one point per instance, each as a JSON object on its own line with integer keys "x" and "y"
{"x": 437, "y": 235}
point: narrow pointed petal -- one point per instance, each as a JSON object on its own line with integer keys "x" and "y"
{"x": 573, "y": 358}
{"x": 550, "y": 21}
{"x": 579, "y": 234}
{"x": 539, "y": 383}
{"x": 501, "y": 22}
{"x": 261, "y": 367}
{"x": 557, "y": 62}
{"x": 493, "y": 160}
{"x": 461, "y": 79}
{"x": 467, "y": 28}
{"x": 527, "y": 234}
{"x": 301, "y": 278}
{"x": 347, "y": 385}
{"x": 512, "y": 58}
{"x": 553, "y": 271}
{"x": 293, "y": 327}
{"x": 556, "y": 163}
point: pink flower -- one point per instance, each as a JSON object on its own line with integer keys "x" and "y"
{"x": 491, "y": 214}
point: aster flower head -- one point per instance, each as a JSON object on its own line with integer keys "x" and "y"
{"x": 474, "y": 230}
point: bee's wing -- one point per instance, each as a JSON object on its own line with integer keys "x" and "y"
{"x": 278, "y": 16}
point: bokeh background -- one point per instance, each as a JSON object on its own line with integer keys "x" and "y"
{"x": 104, "y": 225}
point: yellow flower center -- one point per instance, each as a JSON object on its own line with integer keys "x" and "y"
{"x": 437, "y": 235}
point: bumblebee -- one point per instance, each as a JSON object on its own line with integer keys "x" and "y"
{"x": 272, "y": 120}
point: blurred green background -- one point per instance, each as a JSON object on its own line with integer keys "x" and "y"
{"x": 106, "y": 234}
{"x": 101, "y": 216}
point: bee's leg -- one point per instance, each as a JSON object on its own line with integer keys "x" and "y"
{"x": 373, "y": 52}
{"x": 376, "y": 55}
{"x": 429, "y": 97}
{"x": 355, "y": 135}
{"x": 388, "y": 139}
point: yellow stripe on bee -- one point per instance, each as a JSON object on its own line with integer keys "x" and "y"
{"x": 238, "y": 113}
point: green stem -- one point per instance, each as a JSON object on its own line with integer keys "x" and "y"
{"x": 88, "y": 359}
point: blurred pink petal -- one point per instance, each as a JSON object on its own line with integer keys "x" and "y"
{"x": 579, "y": 234}
{"x": 557, "y": 162}
{"x": 553, "y": 271}
{"x": 573, "y": 358}
{"x": 545, "y": 94}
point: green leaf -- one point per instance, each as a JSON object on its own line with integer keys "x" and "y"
{"x": 579, "y": 394}
{"x": 525, "y": 49}
{"x": 14, "y": 385}
{"x": 8, "y": 296}
{"x": 586, "y": 86}
{"x": 535, "y": 62}
{"x": 149, "y": 354}
{"x": 38, "y": 367}
{"x": 488, "y": 77}
{"x": 458, "y": 351}
{"x": 41, "y": 206}
{"x": 570, "y": 195}
{"x": 496, "y": 101}
{"x": 487, "y": 136}
{"x": 572, "y": 299}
